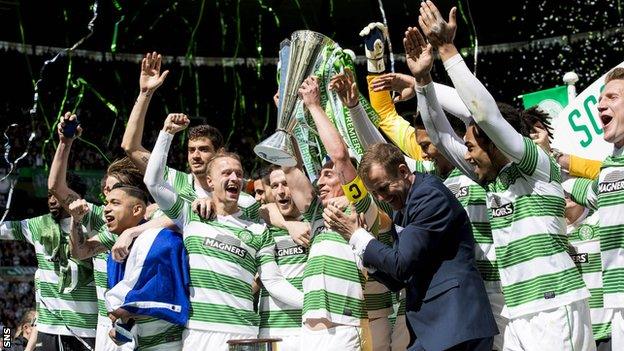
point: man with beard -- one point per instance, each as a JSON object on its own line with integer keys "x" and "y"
{"x": 135, "y": 294}
{"x": 541, "y": 285}
{"x": 278, "y": 319}
{"x": 224, "y": 253}
{"x": 67, "y": 302}
{"x": 203, "y": 142}
{"x": 334, "y": 314}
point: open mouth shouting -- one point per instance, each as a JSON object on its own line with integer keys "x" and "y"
{"x": 606, "y": 119}
{"x": 232, "y": 190}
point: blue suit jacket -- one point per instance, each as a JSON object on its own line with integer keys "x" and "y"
{"x": 433, "y": 258}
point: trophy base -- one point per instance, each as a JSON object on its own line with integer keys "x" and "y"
{"x": 275, "y": 156}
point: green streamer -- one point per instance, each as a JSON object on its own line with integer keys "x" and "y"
{"x": 303, "y": 18}
{"x": 269, "y": 9}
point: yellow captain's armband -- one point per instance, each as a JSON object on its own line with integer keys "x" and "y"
{"x": 355, "y": 190}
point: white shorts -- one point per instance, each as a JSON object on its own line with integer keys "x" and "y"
{"x": 103, "y": 342}
{"x": 400, "y": 335}
{"x": 202, "y": 340}
{"x": 497, "y": 302}
{"x": 617, "y": 329}
{"x": 380, "y": 333}
{"x": 339, "y": 338}
{"x": 565, "y": 328}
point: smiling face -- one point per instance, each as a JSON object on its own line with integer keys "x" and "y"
{"x": 329, "y": 184}
{"x": 225, "y": 176}
{"x": 389, "y": 188}
{"x": 122, "y": 211}
{"x": 282, "y": 195}
{"x": 200, "y": 151}
{"x": 478, "y": 157}
{"x": 611, "y": 109}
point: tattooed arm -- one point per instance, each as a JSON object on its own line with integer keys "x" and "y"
{"x": 80, "y": 247}
{"x": 57, "y": 180}
{"x": 149, "y": 80}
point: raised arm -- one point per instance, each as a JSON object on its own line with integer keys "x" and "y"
{"x": 57, "y": 179}
{"x": 149, "y": 80}
{"x": 81, "y": 247}
{"x": 419, "y": 58}
{"x": 335, "y": 146}
{"x": 405, "y": 85}
{"x": 479, "y": 101}
{"x": 163, "y": 193}
{"x": 367, "y": 132}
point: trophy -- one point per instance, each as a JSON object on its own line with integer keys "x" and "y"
{"x": 299, "y": 58}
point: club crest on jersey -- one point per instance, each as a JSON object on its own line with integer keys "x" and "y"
{"x": 503, "y": 211}
{"x": 586, "y": 232}
{"x": 227, "y": 244}
{"x": 613, "y": 181}
{"x": 245, "y": 236}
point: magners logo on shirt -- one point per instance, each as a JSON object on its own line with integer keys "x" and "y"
{"x": 462, "y": 192}
{"x": 227, "y": 244}
{"x": 503, "y": 211}
{"x": 288, "y": 248}
{"x": 613, "y": 181}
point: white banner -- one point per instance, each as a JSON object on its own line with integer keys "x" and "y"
{"x": 578, "y": 129}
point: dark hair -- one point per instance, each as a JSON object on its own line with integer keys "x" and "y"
{"x": 209, "y": 132}
{"x": 616, "y": 73}
{"x": 75, "y": 183}
{"x": 122, "y": 164}
{"x": 533, "y": 115}
{"x": 386, "y": 155}
{"x": 457, "y": 124}
{"x": 132, "y": 190}
{"x": 522, "y": 121}
{"x": 330, "y": 163}
{"x": 266, "y": 175}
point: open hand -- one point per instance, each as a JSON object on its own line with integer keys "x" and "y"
{"x": 436, "y": 29}
{"x": 309, "y": 92}
{"x": 346, "y": 88}
{"x": 204, "y": 208}
{"x": 404, "y": 84}
{"x": 151, "y": 78}
{"x": 418, "y": 54}
{"x": 342, "y": 223}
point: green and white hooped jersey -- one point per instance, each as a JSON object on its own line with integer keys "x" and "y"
{"x": 473, "y": 199}
{"x": 585, "y": 252}
{"x": 184, "y": 185}
{"x": 377, "y": 297}
{"x": 276, "y": 317}
{"x": 333, "y": 281}
{"x": 526, "y": 206}
{"x": 57, "y": 313}
{"x": 96, "y": 225}
{"x": 224, "y": 256}
{"x": 606, "y": 195}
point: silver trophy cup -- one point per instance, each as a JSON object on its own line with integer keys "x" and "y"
{"x": 302, "y": 59}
